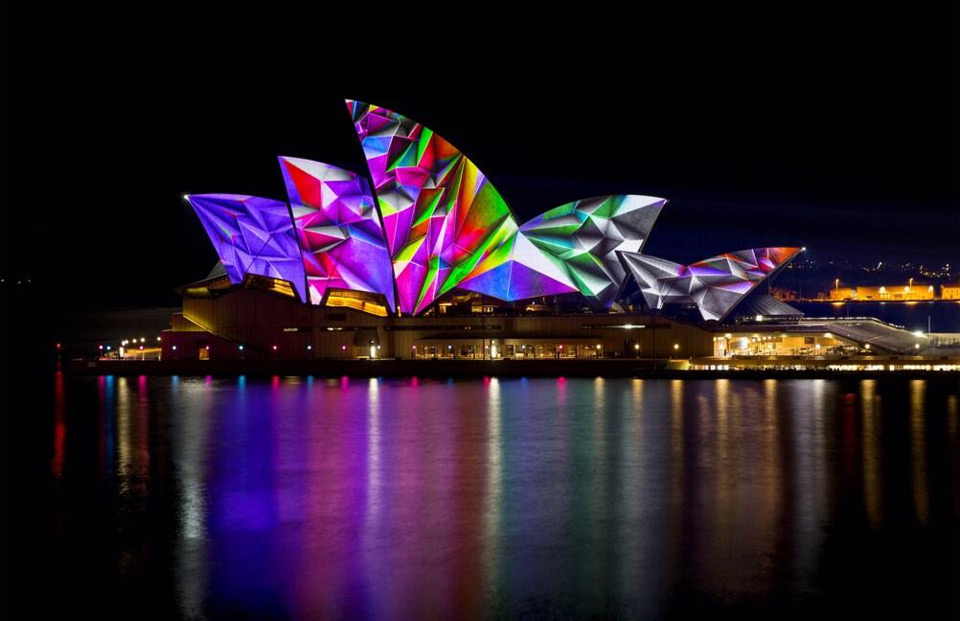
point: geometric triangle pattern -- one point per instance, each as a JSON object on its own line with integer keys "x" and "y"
{"x": 338, "y": 228}
{"x": 445, "y": 223}
{"x": 715, "y": 285}
{"x": 518, "y": 270}
{"x": 252, "y": 236}
{"x": 440, "y": 213}
{"x": 586, "y": 235}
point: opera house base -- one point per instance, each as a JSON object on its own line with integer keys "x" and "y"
{"x": 251, "y": 331}
{"x": 254, "y": 325}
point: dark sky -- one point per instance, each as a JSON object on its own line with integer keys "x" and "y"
{"x": 833, "y": 129}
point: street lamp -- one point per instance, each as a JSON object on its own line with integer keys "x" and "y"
{"x": 636, "y": 348}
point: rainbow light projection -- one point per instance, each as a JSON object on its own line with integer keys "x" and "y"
{"x": 252, "y": 236}
{"x": 447, "y": 226}
{"x": 715, "y": 285}
{"x": 586, "y": 235}
{"x": 441, "y": 215}
{"x": 339, "y": 229}
{"x": 433, "y": 222}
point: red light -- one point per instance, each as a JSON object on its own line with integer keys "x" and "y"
{"x": 274, "y": 348}
{"x": 561, "y": 348}
{"x": 343, "y": 347}
{"x": 58, "y": 345}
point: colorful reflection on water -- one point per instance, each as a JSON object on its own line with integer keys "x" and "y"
{"x": 374, "y": 498}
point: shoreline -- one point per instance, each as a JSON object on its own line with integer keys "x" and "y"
{"x": 467, "y": 368}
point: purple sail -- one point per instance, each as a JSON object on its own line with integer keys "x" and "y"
{"x": 252, "y": 236}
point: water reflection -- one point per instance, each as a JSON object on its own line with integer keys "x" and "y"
{"x": 918, "y": 449}
{"x": 870, "y": 441}
{"x": 412, "y": 498}
{"x": 59, "y": 425}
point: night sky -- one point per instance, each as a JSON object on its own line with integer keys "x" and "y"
{"x": 834, "y": 130}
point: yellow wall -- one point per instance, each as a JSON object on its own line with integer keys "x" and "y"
{"x": 950, "y": 292}
{"x": 896, "y": 292}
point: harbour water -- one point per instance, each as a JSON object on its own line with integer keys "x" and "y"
{"x": 941, "y": 316}
{"x": 306, "y": 497}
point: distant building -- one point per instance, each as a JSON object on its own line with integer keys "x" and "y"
{"x": 843, "y": 293}
{"x": 950, "y": 292}
{"x": 896, "y": 293}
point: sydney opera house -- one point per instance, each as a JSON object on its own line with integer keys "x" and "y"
{"x": 420, "y": 256}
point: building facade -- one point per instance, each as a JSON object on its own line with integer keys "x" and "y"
{"x": 386, "y": 264}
